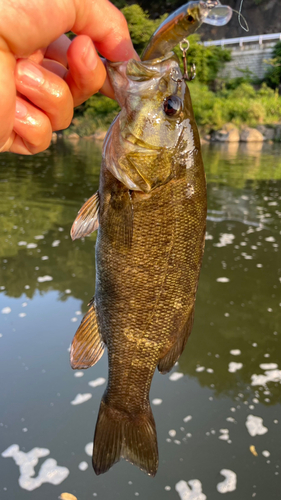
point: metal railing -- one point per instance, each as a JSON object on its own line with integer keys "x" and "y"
{"x": 244, "y": 39}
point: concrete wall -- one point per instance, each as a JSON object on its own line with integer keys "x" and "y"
{"x": 250, "y": 57}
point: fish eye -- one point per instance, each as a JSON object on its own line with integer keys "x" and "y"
{"x": 172, "y": 105}
{"x": 191, "y": 19}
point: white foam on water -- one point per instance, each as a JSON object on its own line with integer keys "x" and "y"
{"x": 49, "y": 471}
{"x": 97, "y": 382}
{"x": 83, "y": 466}
{"x": 269, "y": 376}
{"x": 200, "y": 368}
{"x": 74, "y": 319}
{"x": 224, "y": 434}
{"x": 246, "y": 256}
{"x": 255, "y": 426}
{"x": 22, "y": 315}
{"x": 157, "y": 401}
{"x": 235, "y": 352}
{"x": 233, "y": 366}
{"x": 78, "y": 374}
{"x": 191, "y": 490}
{"x": 208, "y": 236}
{"x": 172, "y": 433}
{"x": 188, "y": 418}
{"x": 270, "y": 239}
{"x": 81, "y": 398}
{"x": 45, "y": 257}
{"x": 266, "y": 453}
{"x": 268, "y": 366}
{"x": 230, "y": 482}
{"x": 39, "y": 237}
{"x": 56, "y": 243}
{"x": 22, "y": 243}
{"x": 175, "y": 376}
{"x": 31, "y": 245}
{"x": 225, "y": 239}
{"x": 67, "y": 291}
{"x": 222, "y": 280}
{"x": 6, "y": 310}
{"x": 89, "y": 449}
{"x": 41, "y": 279}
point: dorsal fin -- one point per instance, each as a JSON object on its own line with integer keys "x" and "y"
{"x": 86, "y": 221}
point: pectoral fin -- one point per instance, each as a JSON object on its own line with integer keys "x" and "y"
{"x": 167, "y": 362}
{"x": 87, "y": 346}
{"x": 86, "y": 221}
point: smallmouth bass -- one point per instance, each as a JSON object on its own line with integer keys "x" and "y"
{"x": 150, "y": 212}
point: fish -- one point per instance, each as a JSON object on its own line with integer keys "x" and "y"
{"x": 150, "y": 214}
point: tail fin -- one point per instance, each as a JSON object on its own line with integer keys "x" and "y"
{"x": 121, "y": 435}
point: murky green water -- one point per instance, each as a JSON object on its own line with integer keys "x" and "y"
{"x": 229, "y": 374}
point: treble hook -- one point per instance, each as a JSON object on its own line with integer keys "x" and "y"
{"x": 192, "y": 67}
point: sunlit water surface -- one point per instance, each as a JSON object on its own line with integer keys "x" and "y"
{"x": 218, "y": 414}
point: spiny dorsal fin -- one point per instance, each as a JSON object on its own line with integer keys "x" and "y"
{"x": 87, "y": 346}
{"x": 86, "y": 221}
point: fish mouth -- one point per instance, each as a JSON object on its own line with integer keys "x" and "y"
{"x": 136, "y": 141}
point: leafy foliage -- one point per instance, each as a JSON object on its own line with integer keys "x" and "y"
{"x": 140, "y": 26}
{"x": 273, "y": 76}
{"x": 241, "y": 106}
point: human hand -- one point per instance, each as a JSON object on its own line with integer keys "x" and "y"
{"x": 41, "y": 75}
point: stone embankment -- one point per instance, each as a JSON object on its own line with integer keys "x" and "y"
{"x": 230, "y": 133}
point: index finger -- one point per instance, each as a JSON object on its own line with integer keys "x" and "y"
{"x": 107, "y": 26}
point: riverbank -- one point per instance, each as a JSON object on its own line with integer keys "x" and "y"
{"x": 229, "y": 133}
{"x": 237, "y": 112}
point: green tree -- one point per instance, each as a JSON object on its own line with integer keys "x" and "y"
{"x": 140, "y": 25}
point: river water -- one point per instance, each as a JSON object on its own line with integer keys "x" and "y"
{"x": 218, "y": 414}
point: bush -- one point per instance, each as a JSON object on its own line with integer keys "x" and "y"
{"x": 273, "y": 75}
{"x": 241, "y": 106}
{"x": 140, "y": 26}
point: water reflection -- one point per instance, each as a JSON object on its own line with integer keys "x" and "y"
{"x": 236, "y": 336}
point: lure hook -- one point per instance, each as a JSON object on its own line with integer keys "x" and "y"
{"x": 184, "y": 46}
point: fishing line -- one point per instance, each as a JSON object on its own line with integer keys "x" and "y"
{"x": 240, "y": 16}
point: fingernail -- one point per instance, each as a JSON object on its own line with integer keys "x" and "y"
{"x": 21, "y": 109}
{"x": 90, "y": 57}
{"x": 30, "y": 74}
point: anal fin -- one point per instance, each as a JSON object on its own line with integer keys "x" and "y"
{"x": 167, "y": 362}
{"x": 87, "y": 346}
{"x": 86, "y": 221}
